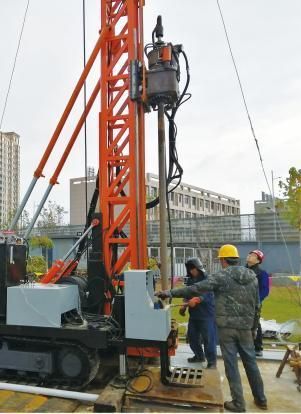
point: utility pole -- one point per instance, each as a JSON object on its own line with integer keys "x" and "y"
{"x": 274, "y": 207}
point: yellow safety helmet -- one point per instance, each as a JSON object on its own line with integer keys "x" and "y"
{"x": 227, "y": 250}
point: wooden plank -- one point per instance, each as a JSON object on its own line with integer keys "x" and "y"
{"x": 139, "y": 405}
{"x": 205, "y": 396}
{"x": 84, "y": 408}
{"x": 5, "y": 395}
{"x": 110, "y": 400}
{"x": 283, "y": 362}
{"x": 16, "y": 402}
{"x": 58, "y": 405}
{"x": 34, "y": 404}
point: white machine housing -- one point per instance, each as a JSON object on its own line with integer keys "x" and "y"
{"x": 142, "y": 320}
{"x": 40, "y": 304}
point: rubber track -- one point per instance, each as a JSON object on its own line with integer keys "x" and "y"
{"x": 53, "y": 381}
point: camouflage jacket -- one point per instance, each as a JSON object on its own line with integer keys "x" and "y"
{"x": 236, "y": 296}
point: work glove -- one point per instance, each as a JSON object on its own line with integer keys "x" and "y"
{"x": 163, "y": 294}
{"x": 192, "y": 303}
{"x": 182, "y": 310}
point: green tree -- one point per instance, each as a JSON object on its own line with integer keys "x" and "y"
{"x": 36, "y": 264}
{"x": 41, "y": 242}
{"x": 52, "y": 215}
{"x": 25, "y": 219}
{"x": 290, "y": 207}
{"x": 5, "y": 224}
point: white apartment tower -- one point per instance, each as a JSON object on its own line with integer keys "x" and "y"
{"x": 9, "y": 175}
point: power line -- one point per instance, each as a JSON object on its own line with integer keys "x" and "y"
{"x": 244, "y": 98}
{"x": 254, "y": 135}
{"x": 14, "y": 65}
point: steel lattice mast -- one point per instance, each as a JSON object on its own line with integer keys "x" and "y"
{"x": 121, "y": 139}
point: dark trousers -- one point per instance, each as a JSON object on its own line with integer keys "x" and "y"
{"x": 203, "y": 331}
{"x": 258, "y": 339}
{"x": 233, "y": 341}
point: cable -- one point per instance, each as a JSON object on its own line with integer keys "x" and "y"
{"x": 85, "y": 123}
{"x": 142, "y": 374}
{"x": 175, "y": 171}
{"x": 14, "y": 65}
{"x": 243, "y": 97}
{"x": 252, "y": 129}
{"x": 170, "y": 242}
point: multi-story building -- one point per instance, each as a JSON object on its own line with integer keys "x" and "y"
{"x": 9, "y": 175}
{"x": 78, "y": 197}
{"x": 188, "y": 201}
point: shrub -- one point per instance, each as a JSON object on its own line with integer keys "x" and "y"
{"x": 36, "y": 264}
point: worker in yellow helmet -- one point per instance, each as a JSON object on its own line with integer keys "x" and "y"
{"x": 237, "y": 307}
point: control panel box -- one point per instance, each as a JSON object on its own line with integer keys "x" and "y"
{"x": 143, "y": 320}
{"x": 40, "y": 304}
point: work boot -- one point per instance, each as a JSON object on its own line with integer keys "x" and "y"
{"x": 258, "y": 353}
{"x": 211, "y": 365}
{"x": 195, "y": 359}
{"x": 262, "y": 404}
{"x": 231, "y": 406}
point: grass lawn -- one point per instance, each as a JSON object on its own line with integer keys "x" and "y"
{"x": 281, "y": 305}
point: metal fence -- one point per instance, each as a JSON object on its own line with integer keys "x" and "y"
{"x": 225, "y": 229}
{"x": 206, "y": 230}
{"x": 203, "y": 236}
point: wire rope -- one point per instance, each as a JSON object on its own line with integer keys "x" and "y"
{"x": 14, "y": 65}
{"x": 252, "y": 129}
{"x": 243, "y": 96}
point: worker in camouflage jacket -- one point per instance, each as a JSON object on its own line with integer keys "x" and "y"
{"x": 236, "y": 311}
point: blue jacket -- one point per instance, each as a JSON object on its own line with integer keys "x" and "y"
{"x": 263, "y": 281}
{"x": 206, "y": 309}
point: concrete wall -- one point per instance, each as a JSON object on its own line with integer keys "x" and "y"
{"x": 277, "y": 258}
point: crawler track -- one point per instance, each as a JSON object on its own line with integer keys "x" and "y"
{"x": 65, "y": 355}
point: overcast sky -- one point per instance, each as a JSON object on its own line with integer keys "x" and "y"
{"x": 215, "y": 144}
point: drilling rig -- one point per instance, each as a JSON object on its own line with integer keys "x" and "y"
{"x": 55, "y": 330}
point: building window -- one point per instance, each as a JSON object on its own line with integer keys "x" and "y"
{"x": 193, "y": 202}
{"x": 153, "y": 192}
{"x": 212, "y": 205}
